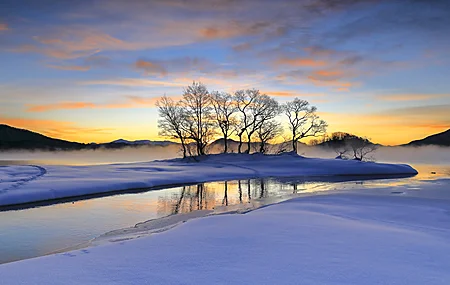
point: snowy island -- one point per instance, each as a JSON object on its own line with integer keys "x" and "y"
{"x": 33, "y": 183}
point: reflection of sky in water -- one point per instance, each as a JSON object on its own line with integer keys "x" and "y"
{"x": 37, "y": 231}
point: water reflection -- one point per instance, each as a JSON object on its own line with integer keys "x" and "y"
{"x": 208, "y": 196}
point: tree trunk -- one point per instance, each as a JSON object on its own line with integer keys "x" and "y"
{"x": 262, "y": 147}
{"x": 183, "y": 145}
{"x": 240, "y": 144}
{"x": 249, "y": 142}
{"x": 225, "y": 149}
{"x": 294, "y": 143}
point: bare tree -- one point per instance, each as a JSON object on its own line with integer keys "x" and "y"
{"x": 224, "y": 109}
{"x": 262, "y": 110}
{"x": 171, "y": 121}
{"x": 198, "y": 109}
{"x": 361, "y": 148}
{"x": 268, "y": 131}
{"x": 303, "y": 121}
{"x": 244, "y": 99}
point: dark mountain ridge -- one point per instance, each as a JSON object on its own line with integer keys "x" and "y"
{"x": 440, "y": 139}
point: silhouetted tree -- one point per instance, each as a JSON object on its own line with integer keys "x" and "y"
{"x": 303, "y": 121}
{"x": 224, "y": 109}
{"x": 350, "y": 146}
{"x": 266, "y": 132}
{"x": 243, "y": 100}
{"x": 261, "y": 110}
{"x": 361, "y": 148}
{"x": 197, "y": 107}
{"x": 171, "y": 120}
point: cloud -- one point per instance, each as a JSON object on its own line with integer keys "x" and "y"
{"x": 176, "y": 66}
{"x": 60, "y": 106}
{"x": 3, "y": 27}
{"x": 410, "y": 97}
{"x": 130, "y": 102}
{"x": 70, "y": 67}
{"x": 235, "y": 29}
{"x": 300, "y": 62}
{"x": 242, "y": 47}
{"x": 93, "y": 61}
{"x": 151, "y": 68}
{"x": 321, "y": 79}
{"x": 291, "y": 94}
{"x": 327, "y": 75}
{"x": 133, "y": 82}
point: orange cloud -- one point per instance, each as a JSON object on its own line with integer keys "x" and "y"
{"x": 291, "y": 94}
{"x": 3, "y": 27}
{"x": 233, "y": 29}
{"x": 151, "y": 68}
{"x": 131, "y": 102}
{"x": 300, "y": 62}
{"x": 134, "y": 82}
{"x": 329, "y": 73}
{"x": 61, "y": 106}
{"x": 337, "y": 85}
{"x": 70, "y": 67}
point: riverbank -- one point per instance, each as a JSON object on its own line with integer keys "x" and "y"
{"x": 26, "y": 184}
{"x": 344, "y": 238}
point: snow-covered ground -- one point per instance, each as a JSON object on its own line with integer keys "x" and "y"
{"x": 23, "y": 184}
{"x": 324, "y": 239}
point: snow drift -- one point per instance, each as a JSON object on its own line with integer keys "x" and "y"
{"x": 329, "y": 239}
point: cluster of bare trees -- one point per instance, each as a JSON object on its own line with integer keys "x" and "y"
{"x": 247, "y": 115}
{"x": 348, "y": 146}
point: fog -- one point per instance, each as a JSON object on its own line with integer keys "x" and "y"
{"x": 397, "y": 154}
{"x": 413, "y": 155}
{"x": 85, "y": 157}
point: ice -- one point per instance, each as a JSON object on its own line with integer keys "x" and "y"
{"x": 24, "y": 184}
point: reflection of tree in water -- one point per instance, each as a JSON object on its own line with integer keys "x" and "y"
{"x": 210, "y": 195}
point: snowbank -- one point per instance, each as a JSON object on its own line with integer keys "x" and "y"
{"x": 24, "y": 184}
{"x": 328, "y": 239}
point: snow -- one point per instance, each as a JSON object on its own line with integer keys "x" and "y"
{"x": 325, "y": 239}
{"x": 24, "y": 184}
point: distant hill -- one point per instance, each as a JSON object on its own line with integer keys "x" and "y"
{"x": 440, "y": 139}
{"x": 341, "y": 139}
{"x": 15, "y": 138}
{"x": 142, "y": 142}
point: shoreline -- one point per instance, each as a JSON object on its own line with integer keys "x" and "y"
{"x": 22, "y": 185}
{"x": 327, "y": 179}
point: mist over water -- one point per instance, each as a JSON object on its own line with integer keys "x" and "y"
{"x": 397, "y": 154}
{"x": 87, "y": 157}
{"x": 430, "y": 155}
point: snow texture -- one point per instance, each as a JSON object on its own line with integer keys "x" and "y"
{"x": 326, "y": 239}
{"x": 24, "y": 184}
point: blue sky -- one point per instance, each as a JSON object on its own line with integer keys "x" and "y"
{"x": 92, "y": 70}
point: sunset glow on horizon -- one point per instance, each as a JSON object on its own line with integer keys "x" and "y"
{"x": 91, "y": 71}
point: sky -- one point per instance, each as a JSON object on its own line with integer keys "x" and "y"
{"x": 91, "y": 70}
